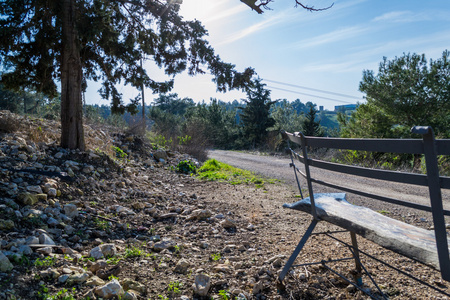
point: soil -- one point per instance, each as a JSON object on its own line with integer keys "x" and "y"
{"x": 244, "y": 259}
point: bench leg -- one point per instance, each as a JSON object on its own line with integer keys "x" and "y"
{"x": 358, "y": 268}
{"x": 297, "y": 250}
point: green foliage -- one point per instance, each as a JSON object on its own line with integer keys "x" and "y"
{"x": 63, "y": 294}
{"x": 46, "y": 262}
{"x": 215, "y": 123}
{"x": 216, "y": 256}
{"x": 158, "y": 141}
{"x": 183, "y": 140}
{"x": 134, "y": 251}
{"x": 112, "y": 277}
{"x": 113, "y": 260}
{"x": 311, "y": 126}
{"x": 186, "y": 167}
{"x": 407, "y": 91}
{"x": 255, "y": 116}
{"x": 224, "y": 295}
{"x": 286, "y": 117}
{"x": 119, "y": 152}
{"x": 102, "y": 224}
{"x": 42, "y": 293}
{"x": 174, "y": 287}
{"x": 215, "y": 170}
{"x": 39, "y": 49}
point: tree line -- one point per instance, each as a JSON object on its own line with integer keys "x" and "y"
{"x": 70, "y": 42}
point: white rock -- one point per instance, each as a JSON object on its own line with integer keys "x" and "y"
{"x": 25, "y": 249}
{"x": 258, "y": 287}
{"x": 71, "y": 210}
{"x": 45, "y": 239}
{"x": 202, "y": 285}
{"x": 5, "y": 264}
{"x": 45, "y": 250}
{"x": 228, "y": 224}
{"x": 22, "y": 156}
{"x": 167, "y": 244}
{"x": 52, "y": 192}
{"x": 78, "y": 278}
{"x": 108, "y": 250}
{"x": 69, "y": 229}
{"x": 34, "y": 188}
{"x": 129, "y": 295}
{"x": 182, "y": 266}
{"x": 63, "y": 278}
{"x": 109, "y": 290}
{"x": 96, "y": 253}
{"x": 32, "y": 240}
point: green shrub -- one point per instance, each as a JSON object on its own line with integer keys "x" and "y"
{"x": 186, "y": 167}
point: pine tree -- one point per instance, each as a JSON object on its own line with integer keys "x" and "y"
{"x": 255, "y": 116}
{"x": 70, "y": 41}
{"x": 311, "y": 127}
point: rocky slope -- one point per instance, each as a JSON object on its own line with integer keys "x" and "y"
{"x": 102, "y": 225}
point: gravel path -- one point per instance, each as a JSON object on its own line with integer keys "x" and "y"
{"x": 278, "y": 167}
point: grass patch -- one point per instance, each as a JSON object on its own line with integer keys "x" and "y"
{"x": 214, "y": 170}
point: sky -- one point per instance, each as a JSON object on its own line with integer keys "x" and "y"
{"x": 311, "y": 56}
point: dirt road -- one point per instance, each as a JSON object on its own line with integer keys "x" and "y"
{"x": 278, "y": 168}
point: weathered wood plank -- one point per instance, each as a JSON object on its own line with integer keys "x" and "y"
{"x": 413, "y": 242}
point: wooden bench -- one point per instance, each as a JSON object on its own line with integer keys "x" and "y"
{"x": 426, "y": 246}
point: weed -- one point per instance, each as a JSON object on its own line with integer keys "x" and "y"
{"x": 85, "y": 259}
{"x": 102, "y": 224}
{"x": 183, "y": 140}
{"x": 163, "y": 297}
{"x": 214, "y": 170}
{"x": 119, "y": 152}
{"x": 383, "y": 212}
{"x": 224, "y": 295}
{"x": 174, "y": 287}
{"x": 42, "y": 292}
{"x": 159, "y": 141}
{"x": 46, "y": 262}
{"x": 63, "y": 294}
{"x": 113, "y": 260}
{"x": 112, "y": 277}
{"x": 133, "y": 252}
{"x": 67, "y": 257}
{"x": 21, "y": 260}
{"x": 186, "y": 167}
{"x": 216, "y": 256}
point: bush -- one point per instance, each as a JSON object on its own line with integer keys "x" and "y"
{"x": 186, "y": 167}
{"x": 8, "y": 124}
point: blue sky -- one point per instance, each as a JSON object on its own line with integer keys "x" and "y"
{"x": 324, "y": 51}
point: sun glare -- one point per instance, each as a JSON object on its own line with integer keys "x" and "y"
{"x": 208, "y": 11}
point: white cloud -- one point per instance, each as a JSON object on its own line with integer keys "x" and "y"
{"x": 331, "y": 37}
{"x": 225, "y": 14}
{"x": 371, "y": 55}
{"x": 266, "y": 23}
{"x": 407, "y": 16}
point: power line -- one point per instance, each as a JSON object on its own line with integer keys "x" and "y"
{"x": 311, "y": 89}
{"x": 305, "y": 94}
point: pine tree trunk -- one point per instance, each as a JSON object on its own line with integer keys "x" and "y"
{"x": 72, "y": 134}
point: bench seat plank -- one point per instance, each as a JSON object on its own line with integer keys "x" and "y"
{"x": 413, "y": 242}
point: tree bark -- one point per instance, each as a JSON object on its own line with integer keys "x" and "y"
{"x": 72, "y": 133}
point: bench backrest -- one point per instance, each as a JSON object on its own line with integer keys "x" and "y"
{"x": 427, "y": 146}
